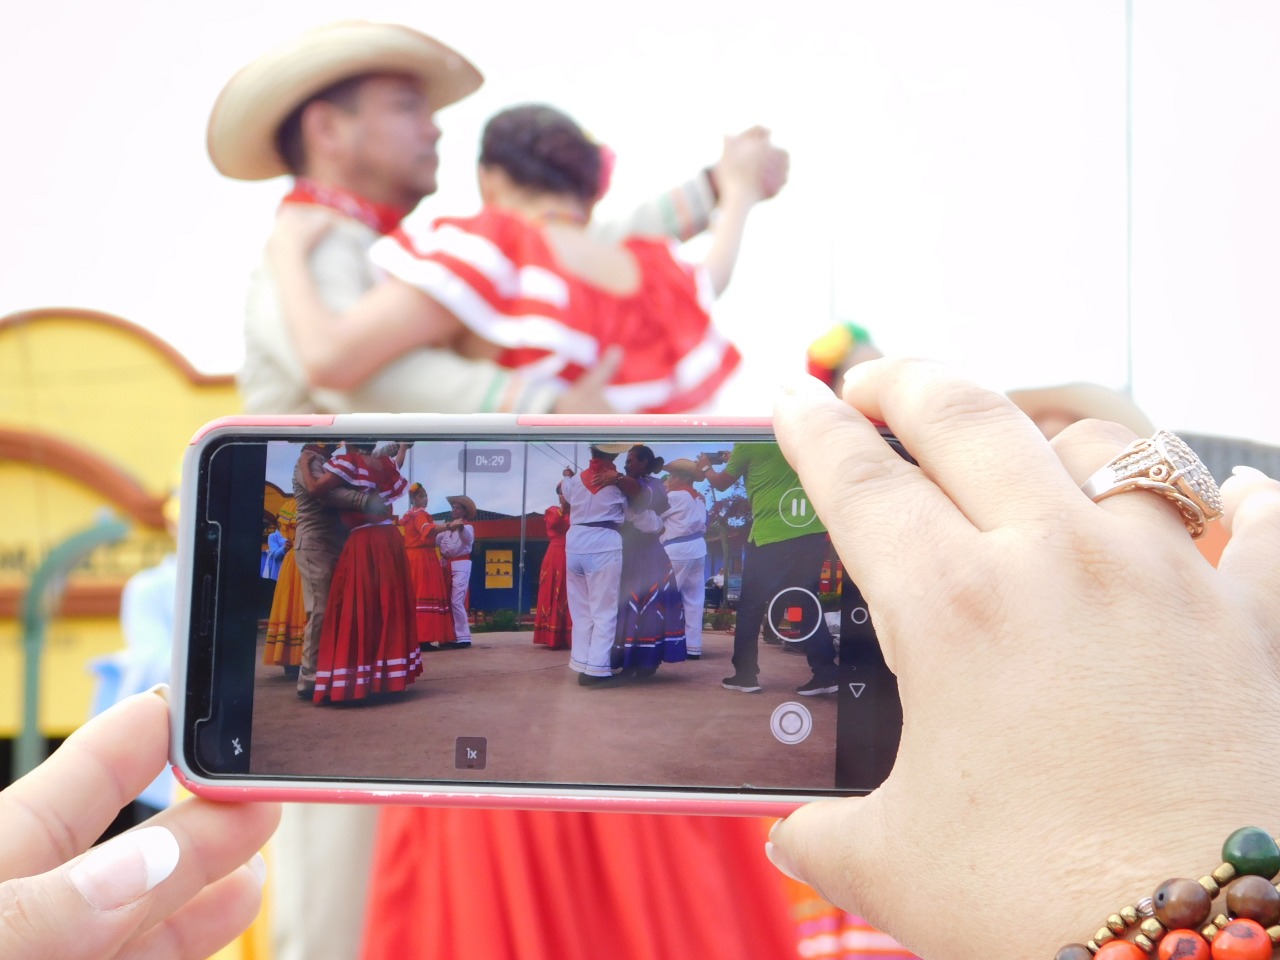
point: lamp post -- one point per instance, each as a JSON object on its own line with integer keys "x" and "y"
{"x": 38, "y": 607}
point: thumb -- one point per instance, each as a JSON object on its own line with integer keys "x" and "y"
{"x": 1251, "y": 501}
{"x": 89, "y": 908}
{"x": 831, "y": 846}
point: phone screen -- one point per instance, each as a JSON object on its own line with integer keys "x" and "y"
{"x": 611, "y": 613}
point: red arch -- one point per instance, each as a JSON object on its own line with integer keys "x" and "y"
{"x": 121, "y": 489}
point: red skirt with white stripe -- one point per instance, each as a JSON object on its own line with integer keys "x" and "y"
{"x": 369, "y": 642}
{"x": 431, "y": 596}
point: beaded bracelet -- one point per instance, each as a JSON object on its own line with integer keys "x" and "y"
{"x": 1174, "y": 923}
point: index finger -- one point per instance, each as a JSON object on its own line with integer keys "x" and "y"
{"x": 59, "y": 809}
{"x": 870, "y": 499}
{"x": 979, "y": 449}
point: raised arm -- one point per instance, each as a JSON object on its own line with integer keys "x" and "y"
{"x": 682, "y": 212}
{"x": 748, "y": 168}
{"x": 686, "y": 210}
{"x": 719, "y": 479}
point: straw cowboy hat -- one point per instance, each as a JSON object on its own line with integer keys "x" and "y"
{"x": 684, "y": 466}
{"x": 467, "y": 504}
{"x": 253, "y": 104}
{"x": 613, "y": 449}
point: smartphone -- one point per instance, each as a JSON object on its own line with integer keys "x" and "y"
{"x": 518, "y": 630}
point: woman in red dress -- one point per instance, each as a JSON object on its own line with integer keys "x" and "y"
{"x": 431, "y": 592}
{"x": 369, "y": 643}
{"x": 552, "y": 624}
{"x": 526, "y": 284}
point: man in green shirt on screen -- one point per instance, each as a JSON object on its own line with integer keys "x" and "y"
{"x": 782, "y": 562}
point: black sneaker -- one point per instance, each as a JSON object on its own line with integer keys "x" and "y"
{"x": 742, "y": 683}
{"x": 816, "y": 686}
{"x": 587, "y": 680}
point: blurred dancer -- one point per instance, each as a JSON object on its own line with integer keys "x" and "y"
{"x": 553, "y": 623}
{"x": 430, "y": 587}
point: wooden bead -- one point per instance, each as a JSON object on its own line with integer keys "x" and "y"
{"x": 1241, "y": 940}
{"x": 1183, "y": 945}
{"x": 1073, "y": 951}
{"x": 1182, "y": 903}
{"x": 1254, "y": 898}
{"x": 1120, "y": 950}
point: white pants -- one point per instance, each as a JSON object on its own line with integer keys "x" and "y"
{"x": 693, "y": 592}
{"x": 320, "y": 860}
{"x": 593, "y": 580}
{"x": 461, "y": 573}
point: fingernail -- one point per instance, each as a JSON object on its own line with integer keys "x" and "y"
{"x": 122, "y": 870}
{"x": 1248, "y": 473}
{"x": 161, "y": 690}
{"x": 258, "y": 867}
{"x": 779, "y": 860}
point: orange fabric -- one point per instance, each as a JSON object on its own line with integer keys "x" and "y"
{"x": 825, "y": 932}
{"x": 1212, "y": 543}
{"x": 499, "y": 884}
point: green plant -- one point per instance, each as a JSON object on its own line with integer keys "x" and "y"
{"x": 719, "y": 620}
{"x": 497, "y": 621}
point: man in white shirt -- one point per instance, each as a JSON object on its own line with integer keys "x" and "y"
{"x": 593, "y": 553}
{"x": 684, "y": 537}
{"x": 455, "y": 543}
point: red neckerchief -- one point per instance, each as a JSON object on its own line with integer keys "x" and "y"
{"x": 685, "y": 485}
{"x": 382, "y": 217}
{"x": 595, "y": 472}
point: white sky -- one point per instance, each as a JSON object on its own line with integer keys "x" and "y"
{"x": 958, "y": 171}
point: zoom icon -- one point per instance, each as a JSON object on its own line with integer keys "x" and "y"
{"x": 791, "y": 722}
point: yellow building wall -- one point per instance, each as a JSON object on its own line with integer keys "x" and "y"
{"x": 107, "y": 386}
{"x": 95, "y": 414}
{"x": 66, "y": 682}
